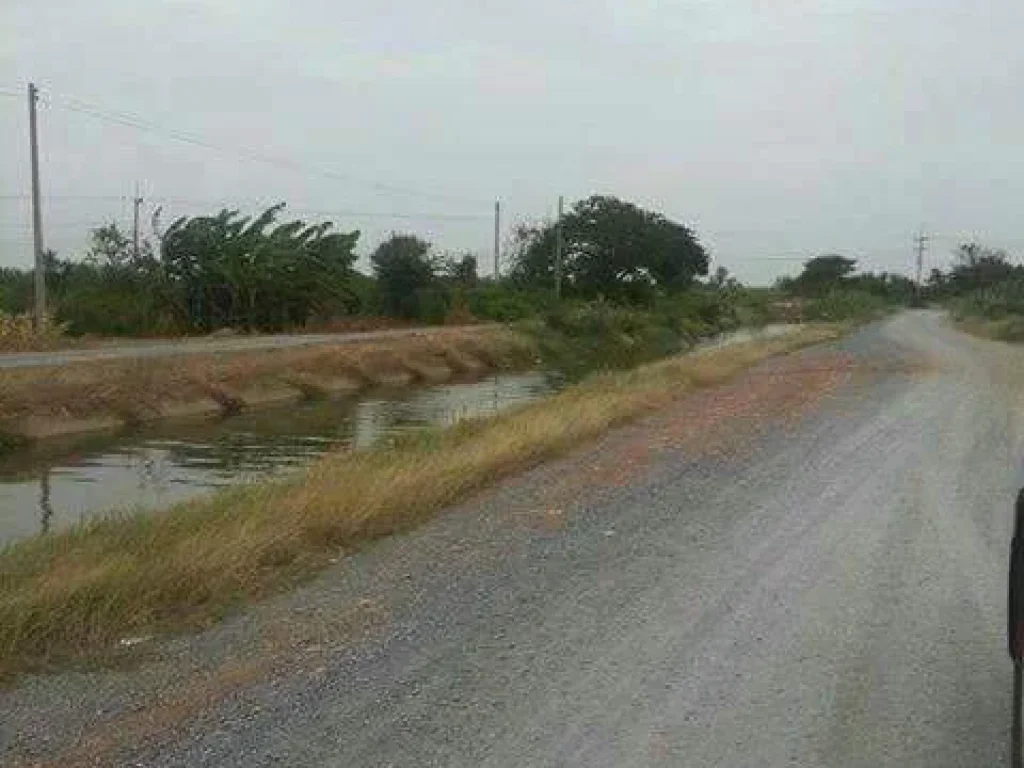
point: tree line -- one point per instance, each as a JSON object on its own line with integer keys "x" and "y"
{"x": 269, "y": 273}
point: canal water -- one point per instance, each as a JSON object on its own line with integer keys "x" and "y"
{"x": 56, "y": 485}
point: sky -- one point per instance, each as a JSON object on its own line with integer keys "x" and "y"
{"x": 776, "y": 129}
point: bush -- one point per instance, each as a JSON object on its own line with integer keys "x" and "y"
{"x": 996, "y": 302}
{"x": 18, "y": 334}
{"x": 841, "y": 305}
{"x": 579, "y": 337}
{"x": 502, "y": 303}
{"x": 699, "y": 313}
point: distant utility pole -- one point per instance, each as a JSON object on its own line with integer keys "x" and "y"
{"x": 37, "y": 211}
{"x": 497, "y": 240}
{"x": 558, "y": 250}
{"x": 136, "y": 205}
{"x": 922, "y": 244}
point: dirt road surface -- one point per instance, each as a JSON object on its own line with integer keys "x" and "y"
{"x": 135, "y": 349}
{"x": 805, "y": 567}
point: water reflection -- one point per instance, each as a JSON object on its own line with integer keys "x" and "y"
{"x": 55, "y": 485}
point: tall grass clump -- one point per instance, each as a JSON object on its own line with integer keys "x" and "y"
{"x": 995, "y": 311}
{"x": 19, "y": 334}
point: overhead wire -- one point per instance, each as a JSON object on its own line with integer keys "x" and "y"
{"x": 67, "y": 197}
{"x": 417, "y": 216}
{"x": 129, "y": 120}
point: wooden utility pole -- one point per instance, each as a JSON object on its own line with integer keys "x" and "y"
{"x": 497, "y": 240}
{"x": 136, "y": 205}
{"x": 558, "y": 250}
{"x": 37, "y": 212}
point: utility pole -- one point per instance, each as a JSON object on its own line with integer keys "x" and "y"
{"x": 497, "y": 240}
{"x": 37, "y": 212}
{"x": 558, "y": 251}
{"x": 136, "y": 205}
{"x": 922, "y": 244}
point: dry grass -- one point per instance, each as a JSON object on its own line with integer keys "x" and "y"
{"x": 38, "y": 401}
{"x": 18, "y": 334}
{"x": 75, "y": 594}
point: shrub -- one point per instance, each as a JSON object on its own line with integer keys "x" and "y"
{"x": 18, "y": 334}
{"x": 503, "y": 303}
{"x": 841, "y": 305}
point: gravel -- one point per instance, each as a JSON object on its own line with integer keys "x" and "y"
{"x": 805, "y": 567}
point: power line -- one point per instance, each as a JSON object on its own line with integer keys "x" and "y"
{"x": 321, "y": 212}
{"x": 138, "y": 123}
{"x": 221, "y": 204}
{"x": 67, "y": 197}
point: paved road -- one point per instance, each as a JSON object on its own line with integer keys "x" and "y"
{"x": 145, "y": 349}
{"x": 804, "y": 568}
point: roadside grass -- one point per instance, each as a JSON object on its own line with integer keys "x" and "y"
{"x": 73, "y": 596}
{"x": 995, "y": 311}
{"x": 1008, "y": 329}
{"x": 38, "y": 401}
{"x": 19, "y": 334}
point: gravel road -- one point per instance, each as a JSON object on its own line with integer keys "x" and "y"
{"x": 805, "y": 568}
{"x": 128, "y": 349}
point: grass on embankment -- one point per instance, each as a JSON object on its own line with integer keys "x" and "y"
{"x": 75, "y": 594}
{"x": 85, "y": 396}
{"x": 1008, "y": 329}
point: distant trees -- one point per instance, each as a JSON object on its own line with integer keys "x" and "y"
{"x": 612, "y": 248}
{"x": 723, "y": 281}
{"x": 461, "y": 270}
{"x": 820, "y": 275}
{"x": 15, "y": 290}
{"x": 405, "y": 271}
{"x": 113, "y": 291}
{"x": 978, "y": 267}
{"x": 265, "y": 273}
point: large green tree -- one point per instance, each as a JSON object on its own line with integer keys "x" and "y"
{"x": 406, "y": 272}
{"x": 611, "y": 248}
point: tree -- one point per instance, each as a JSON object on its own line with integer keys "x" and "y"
{"x": 979, "y": 267}
{"x": 461, "y": 271}
{"x": 723, "y": 281}
{"x": 230, "y": 270}
{"x": 612, "y": 248}
{"x": 822, "y": 274}
{"x": 109, "y": 246}
{"x": 405, "y": 271}
{"x": 15, "y": 290}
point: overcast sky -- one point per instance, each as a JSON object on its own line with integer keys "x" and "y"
{"x": 775, "y": 128}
